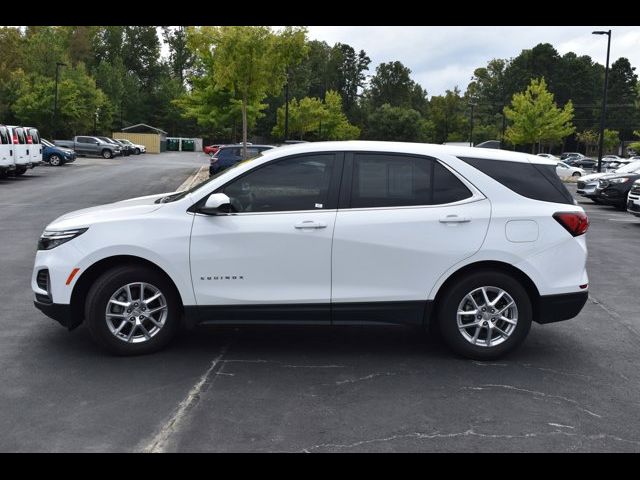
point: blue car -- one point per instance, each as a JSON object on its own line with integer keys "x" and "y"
{"x": 229, "y": 155}
{"x": 56, "y": 156}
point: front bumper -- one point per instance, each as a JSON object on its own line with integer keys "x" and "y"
{"x": 633, "y": 207}
{"x": 59, "y": 312}
{"x": 555, "y": 308}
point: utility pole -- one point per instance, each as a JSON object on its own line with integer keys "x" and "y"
{"x": 604, "y": 97}
{"x": 471, "y": 129}
{"x": 286, "y": 108}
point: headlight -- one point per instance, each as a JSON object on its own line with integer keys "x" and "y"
{"x": 618, "y": 180}
{"x": 51, "y": 239}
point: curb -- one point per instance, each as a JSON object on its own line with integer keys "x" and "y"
{"x": 191, "y": 179}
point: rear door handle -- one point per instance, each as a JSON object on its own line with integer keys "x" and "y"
{"x": 310, "y": 224}
{"x": 454, "y": 219}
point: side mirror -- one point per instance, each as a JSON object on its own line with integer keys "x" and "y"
{"x": 217, "y": 204}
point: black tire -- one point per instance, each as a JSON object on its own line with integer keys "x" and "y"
{"x": 596, "y": 201}
{"x": 55, "y": 161}
{"x": 106, "y": 153}
{"x": 576, "y": 174}
{"x": 448, "y": 308}
{"x": 137, "y": 151}
{"x": 102, "y": 290}
{"x": 20, "y": 171}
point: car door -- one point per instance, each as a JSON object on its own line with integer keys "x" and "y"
{"x": 402, "y": 222}
{"x": 6, "y": 149}
{"x": 272, "y": 259}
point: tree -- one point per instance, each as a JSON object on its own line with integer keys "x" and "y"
{"x": 180, "y": 57}
{"x": 249, "y": 61}
{"x": 587, "y": 137}
{"x": 395, "y": 124}
{"x": 347, "y": 74}
{"x": 622, "y": 111}
{"x": 611, "y": 139}
{"x": 535, "y": 118}
{"x": 448, "y": 114}
{"x": 325, "y": 119}
{"x": 392, "y": 84}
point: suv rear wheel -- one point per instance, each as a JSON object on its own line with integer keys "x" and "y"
{"x": 132, "y": 310}
{"x": 485, "y": 315}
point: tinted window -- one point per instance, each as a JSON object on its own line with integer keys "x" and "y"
{"x": 387, "y": 180}
{"x": 298, "y": 183}
{"x": 536, "y": 181}
{"x": 83, "y": 140}
{"x": 21, "y": 137}
{"x": 4, "y": 135}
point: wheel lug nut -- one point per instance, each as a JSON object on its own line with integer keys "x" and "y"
{"x": 132, "y": 319}
{"x": 479, "y": 317}
{"x": 493, "y": 319}
{"x": 141, "y": 317}
{"x": 484, "y": 309}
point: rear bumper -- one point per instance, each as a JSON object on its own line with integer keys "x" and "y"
{"x": 555, "y": 308}
{"x": 57, "y": 311}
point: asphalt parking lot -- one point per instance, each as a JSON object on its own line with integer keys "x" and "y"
{"x": 573, "y": 386}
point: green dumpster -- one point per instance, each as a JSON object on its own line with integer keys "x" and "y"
{"x": 173, "y": 144}
{"x": 188, "y": 145}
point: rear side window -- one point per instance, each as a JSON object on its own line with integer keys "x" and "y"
{"x": 539, "y": 182}
{"x": 392, "y": 180}
{"x": 35, "y": 136}
{"x": 4, "y": 136}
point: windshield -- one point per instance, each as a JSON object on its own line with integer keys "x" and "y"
{"x": 127, "y": 142}
{"x": 180, "y": 195}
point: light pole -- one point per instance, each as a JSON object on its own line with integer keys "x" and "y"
{"x": 604, "y": 96}
{"x": 55, "y": 99}
{"x": 286, "y": 108}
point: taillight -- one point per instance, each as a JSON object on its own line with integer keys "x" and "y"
{"x": 29, "y": 139}
{"x": 15, "y": 138}
{"x": 576, "y": 223}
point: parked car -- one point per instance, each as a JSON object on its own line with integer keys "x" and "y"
{"x": 633, "y": 199}
{"x": 56, "y": 156}
{"x": 125, "y": 150}
{"x": 613, "y": 190}
{"x": 328, "y": 233}
{"x": 21, "y": 149}
{"x": 83, "y": 145}
{"x": 229, "y": 155}
{"x": 568, "y": 155}
{"x": 549, "y": 156}
{"x": 565, "y": 171}
{"x": 583, "y": 162}
{"x": 587, "y": 184}
{"x": 35, "y": 150}
{"x": 211, "y": 149}
{"x": 612, "y": 164}
{"x": 612, "y": 157}
{"x": 7, "y": 161}
{"x": 137, "y": 149}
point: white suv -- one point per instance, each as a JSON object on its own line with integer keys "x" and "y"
{"x": 479, "y": 242}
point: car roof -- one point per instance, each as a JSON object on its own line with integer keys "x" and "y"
{"x": 427, "y": 149}
{"x": 249, "y": 145}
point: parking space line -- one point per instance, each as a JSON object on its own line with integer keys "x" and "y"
{"x": 160, "y": 441}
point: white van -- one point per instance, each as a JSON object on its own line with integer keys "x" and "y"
{"x": 7, "y": 164}
{"x": 33, "y": 139}
{"x": 21, "y": 149}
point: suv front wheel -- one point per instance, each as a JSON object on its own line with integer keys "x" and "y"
{"x": 485, "y": 315}
{"x": 132, "y": 310}
{"x": 107, "y": 154}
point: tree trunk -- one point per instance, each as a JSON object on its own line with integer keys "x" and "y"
{"x": 244, "y": 127}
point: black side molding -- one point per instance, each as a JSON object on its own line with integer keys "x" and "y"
{"x": 555, "y": 308}
{"x": 363, "y": 313}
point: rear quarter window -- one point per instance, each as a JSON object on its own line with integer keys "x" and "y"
{"x": 4, "y": 136}
{"x": 535, "y": 181}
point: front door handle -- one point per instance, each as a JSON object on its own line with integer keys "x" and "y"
{"x": 310, "y": 224}
{"x": 454, "y": 219}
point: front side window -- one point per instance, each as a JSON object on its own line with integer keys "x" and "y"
{"x": 297, "y": 183}
{"x": 83, "y": 140}
{"x": 394, "y": 180}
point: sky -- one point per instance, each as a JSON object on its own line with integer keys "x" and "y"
{"x": 442, "y": 57}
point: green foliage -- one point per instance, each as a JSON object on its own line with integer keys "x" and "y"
{"x": 449, "y": 115}
{"x": 611, "y": 139}
{"x": 392, "y": 84}
{"x": 588, "y": 138}
{"x": 397, "y": 124}
{"x": 536, "y": 118}
{"x": 324, "y": 119}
